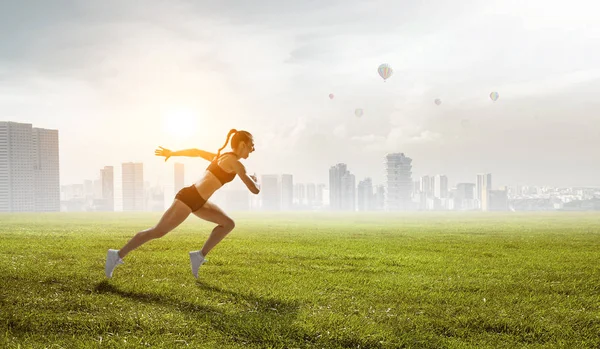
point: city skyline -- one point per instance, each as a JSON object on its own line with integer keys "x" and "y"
{"x": 29, "y": 181}
{"x": 183, "y": 74}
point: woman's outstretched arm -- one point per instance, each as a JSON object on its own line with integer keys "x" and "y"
{"x": 186, "y": 152}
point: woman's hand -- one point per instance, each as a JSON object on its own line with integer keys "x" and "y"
{"x": 163, "y": 152}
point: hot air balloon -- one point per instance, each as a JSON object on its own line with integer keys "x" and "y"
{"x": 358, "y": 112}
{"x": 385, "y": 71}
{"x": 331, "y": 96}
{"x": 438, "y": 101}
{"x": 494, "y": 96}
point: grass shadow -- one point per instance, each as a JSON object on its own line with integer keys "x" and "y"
{"x": 268, "y": 322}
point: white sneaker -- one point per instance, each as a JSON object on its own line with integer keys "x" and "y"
{"x": 112, "y": 260}
{"x": 196, "y": 260}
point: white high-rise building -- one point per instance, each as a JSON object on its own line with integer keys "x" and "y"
{"x": 398, "y": 168}
{"x": 311, "y": 194}
{"x": 322, "y": 198}
{"x": 342, "y": 188}
{"x": 46, "y": 170}
{"x": 348, "y": 192}
{"x": 335, "y": 185}
{"x": 379, "y": 197}
{"x": 107, "y": 178}
{"x": 287, "y": 192}
{"x": 441, "y": 187}
{"x": 299, "y": 194}
{"x": 426, "y": 186}
{"x": 464, "y": 197}
{"x": 16, "y": 168}
{"x": 366, "y": 198}
{"x": 29, "y": 168}
{"x": 133, "y": 186}
{"x": 270, "y": 193}
{"x": 484, "y": 185}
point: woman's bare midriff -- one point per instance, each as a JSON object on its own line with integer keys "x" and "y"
{"x": 207, "y": 185}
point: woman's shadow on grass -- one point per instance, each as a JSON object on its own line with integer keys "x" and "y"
{"x": 264, "y": 321}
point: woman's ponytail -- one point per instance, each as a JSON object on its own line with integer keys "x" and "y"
{"x": 231, "y": 132}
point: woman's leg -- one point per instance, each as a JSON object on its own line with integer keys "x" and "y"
{"x": 213, "y": 213}
{"x": 173, "y": 217}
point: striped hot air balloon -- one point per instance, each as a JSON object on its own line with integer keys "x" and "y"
{"x": 494, "y": 96}
{"x": 385, "y": 71}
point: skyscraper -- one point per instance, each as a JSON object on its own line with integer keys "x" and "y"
{"x": 287, "y": 192}
{"x": 321, "y": 192}
{"x": 300, "y": 194}
{"x": 441, "y": 187}
{"x": 311, "y": 194}
{"x": 348, "y": 192}
{"x": 46, "y": 170}
{"x": 484, "y": 185}
{"x": 365, "y": 195}
{"x": 342, "y": 188}
{"x": 29, "y": 168}
{"x": 335, "y": 185}
{"x": 270, "y": 193}
{"x": 179, "y": 177}
{"x": 464, "y": 198}
{"x": 398, "y": 170}
{"x": 379, "y": 197}
{"x": 133, "y": 186}
{"x": 107, "y": 178}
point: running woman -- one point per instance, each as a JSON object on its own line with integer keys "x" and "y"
{"x": 194, "y": 199}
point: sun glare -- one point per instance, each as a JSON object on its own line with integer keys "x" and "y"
{"x": 180, "y": 122}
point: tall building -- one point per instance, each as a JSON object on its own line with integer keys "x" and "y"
{"x": 366, "y": 199}
{"x": 484, "y": 185}
{"x": 46, "y": 170}
{"x": 179, "y": 177}
{"x": 270, "y": 193}
{"x": 300, "y": 194}
{"x": 97, "y": 189}
{"x": 342, "y": 188}
{"x": 441, "y": 187}
{"x": 464, "y": 197}
{"x": 416, "y": 188}
{"x": 107, "y": 178}
{"x": 379, "y": 197}
{"x": 335, "y": 185}
{"x": 287, "y": 192}
{"x": 133, "y": 186}
{"x": 398, "y": 170}
{"x": 322, "y": 196}
{"x": 17, "y": 182}
{"x": 311, "y": 194}
{"x": 348, "y": 192}
{"x": 29, "y": 168}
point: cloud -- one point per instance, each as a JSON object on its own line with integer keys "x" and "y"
{"x": 268, "y": 66}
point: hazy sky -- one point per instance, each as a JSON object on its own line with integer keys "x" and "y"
{"x": 109, "y": 75}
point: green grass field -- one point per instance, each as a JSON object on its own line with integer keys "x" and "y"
{"x": 305, "y": 280}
